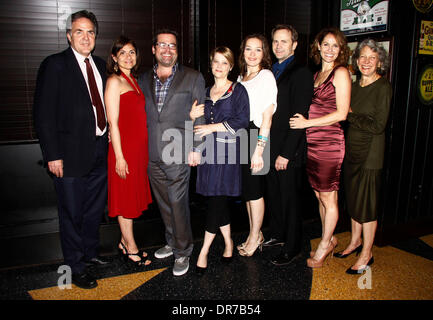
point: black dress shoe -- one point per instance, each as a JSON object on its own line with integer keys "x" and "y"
{"x": 200, "y": 270}
{"x": 360, "y": 271}
{"x": 342, "y": 256}
{"x": 283, "y": 258}
{"x": 273, "y": 242}
{"x": 96, "y": 261}
{"x": 84, "y": 280}
{"x": 226, "y": 259}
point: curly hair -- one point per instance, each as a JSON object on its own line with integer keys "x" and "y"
{"x": 266, "y": 62}
{"x": 384, "y": 62}
{"x": 118, "y": 44}
{"x": 343, "y": 55}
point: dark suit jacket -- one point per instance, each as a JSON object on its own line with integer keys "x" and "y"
{"x": 188, "y": 85}
{"x": 63, "y": 113}
{"x": 295, "y": 90}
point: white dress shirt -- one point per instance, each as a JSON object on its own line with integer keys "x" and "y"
{"x": 98, "y": 79}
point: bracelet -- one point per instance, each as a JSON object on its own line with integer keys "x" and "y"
{"x": 262, "y": 138}
{"x": 261, "y": 143}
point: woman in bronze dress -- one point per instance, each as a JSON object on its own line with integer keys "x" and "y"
{"x": 325, "y": 136}
{"x": 365, "y": 145}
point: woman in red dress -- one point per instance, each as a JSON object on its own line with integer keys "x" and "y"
{"x": 325, "y": 137}
{"x": 128, "y": 186}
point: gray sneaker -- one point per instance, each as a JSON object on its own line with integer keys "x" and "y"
{"x": 181, "y": 266}
{"x": 164, "y": 252}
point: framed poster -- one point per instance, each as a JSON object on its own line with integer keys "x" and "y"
{"x": 426, "y": 38}
{"x": 358, "y": 17}
{"x": 352, "y": 47}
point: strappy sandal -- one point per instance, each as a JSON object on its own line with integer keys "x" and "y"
{"x": 141, "y": 262}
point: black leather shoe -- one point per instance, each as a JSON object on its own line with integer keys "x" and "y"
{"x": 84, "y": 280}
{"x": 97, "y": 261}
{"x": 283, "y": 258}
{"x": 200, "y": 270}
{"x": 273, "y": 242}
{"x": 226, "y": 259}
{"x": 342, "y": 256}
{"x": 360, "y": 271}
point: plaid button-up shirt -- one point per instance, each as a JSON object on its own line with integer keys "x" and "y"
{"x": 161, "y": 89}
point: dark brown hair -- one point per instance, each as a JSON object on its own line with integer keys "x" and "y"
{"x": 343, "y": 55}
{"x": 266, "y": 62}
{"x": 118, "y": 44}
{"x": 81, "y": 14}
{"x": 287, "y": 27}
{"x": 165, "y": 31}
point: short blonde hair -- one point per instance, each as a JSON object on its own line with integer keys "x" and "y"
{"x": 226, "y": 52}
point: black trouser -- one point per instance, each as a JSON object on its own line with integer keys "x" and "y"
{"x": 283, "y": 202}
{"x": 217, "y": 214}
{"x": 81, "y": 204}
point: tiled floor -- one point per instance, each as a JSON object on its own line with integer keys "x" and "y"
{"x": 403, "y": 271}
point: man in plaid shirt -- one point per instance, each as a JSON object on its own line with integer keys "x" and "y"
{"x": 170, "y": 90}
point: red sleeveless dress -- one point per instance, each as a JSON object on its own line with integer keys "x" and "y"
{"x": 131, "y": 196}
{"x": 325, "y": 145}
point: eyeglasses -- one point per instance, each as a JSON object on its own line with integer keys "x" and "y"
{"x": 164, "y": 45}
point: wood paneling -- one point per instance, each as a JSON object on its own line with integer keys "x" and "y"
{"x": 31, "y": 30}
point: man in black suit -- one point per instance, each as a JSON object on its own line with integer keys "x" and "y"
{"x": 71, "y": 125}
{"x": 288, "y": 146}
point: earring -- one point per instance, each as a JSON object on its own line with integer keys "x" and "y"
{"x": 116, "y": 67}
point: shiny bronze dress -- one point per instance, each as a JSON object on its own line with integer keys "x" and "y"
{"x": 325, "y": 145}
{"x": 365, "y": 146}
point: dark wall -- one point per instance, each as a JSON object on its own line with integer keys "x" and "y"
{"x": 227, "y": 22}
{"x": 31, "y": 30}
{"x": 409, "y": 174}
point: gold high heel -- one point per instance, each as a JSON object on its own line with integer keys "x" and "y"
{"x": 243, "y": 252}
{"x": 313, "y": 263}
{"x": 243, "y": 244}
{"x": 334, "y": 241}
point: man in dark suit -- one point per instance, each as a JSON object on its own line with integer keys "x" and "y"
{"x": 288, "y": 146}
{"x": 170, "y": 90}
{"x": 71, "y": 125}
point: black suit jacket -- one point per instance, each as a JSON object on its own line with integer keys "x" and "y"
{"x": 295, "y": 90}
{"x": 63, "y": 113}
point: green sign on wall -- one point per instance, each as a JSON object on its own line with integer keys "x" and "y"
{"x": 357, "y": 16}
